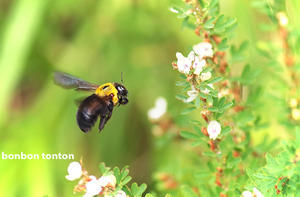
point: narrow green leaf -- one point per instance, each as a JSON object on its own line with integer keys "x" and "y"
{"x": 188, "y": 135}
{"x": 188, "y": 110}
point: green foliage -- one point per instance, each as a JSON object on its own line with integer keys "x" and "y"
{"x": 280, "y": 175}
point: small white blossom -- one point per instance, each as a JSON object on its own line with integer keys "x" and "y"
{"x": 247, "y": 194}
{"x": 205, "y": 76}
{"x": 213, "y": 129}
{"x": 198, "y": 65}
{"x": 107, "y": 180}
{"x": 174, "y": 10}
{"x": 159, "y": 109}
{"x": 293, "y": 103}
{"x": 120, "y": 193}
{"x": 223, "y": 92}
{"x": 183, "y": 63}
{"x": 282, "y": 19}
{"x": 203, "y": 49}
{"x": 207, "y": 91}
{"x": 257, "y": 193}
{"x": 74, "y": 171}
{"x": 193, "y": 93}
{"x": 296, "y": 114}
{"x": 93, "y": 187}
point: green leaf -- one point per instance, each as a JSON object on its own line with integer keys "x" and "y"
{"x": 188, "y": 110}
{"x": 117, "y": 174}
{"x": 215, "y": 80}
{"x": 226, "y": 130}
{"x": 181, "y": 97}
{"x": 223, "y": 45}
{"x": 227, "y": 105}
{"x": 213, "y": 3}
{"x": 126, "y": 180}
{"x": 103, "y": 169}
{"x": 188, "y": 135}
{"x": 142, "y": 189}
{"x": 213, "y": 109}
{"x": 209, "y": 23}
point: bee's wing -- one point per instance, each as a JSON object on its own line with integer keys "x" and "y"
{"x": 71, "y": 82}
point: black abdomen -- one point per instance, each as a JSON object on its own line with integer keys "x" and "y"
{"x": 89, "y": 111}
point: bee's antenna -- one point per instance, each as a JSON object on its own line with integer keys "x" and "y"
{"x": 122, "y": 78}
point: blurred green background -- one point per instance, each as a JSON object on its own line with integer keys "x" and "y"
{"x": 94, "y": 40}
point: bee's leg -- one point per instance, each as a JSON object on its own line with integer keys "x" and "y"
{"x": 110, "y": 108}
{"x": 102, "y": 122}
{"x": 106, "y": 116}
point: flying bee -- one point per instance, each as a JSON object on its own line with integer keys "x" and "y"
{"x": 101, "y": 103}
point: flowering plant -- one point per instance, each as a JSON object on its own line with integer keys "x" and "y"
{"x": 210, "y": 149}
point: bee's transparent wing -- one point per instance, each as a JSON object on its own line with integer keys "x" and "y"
{"x": 71, "y": 82}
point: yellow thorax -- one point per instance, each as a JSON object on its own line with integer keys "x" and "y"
{"x": 106, "y": 90}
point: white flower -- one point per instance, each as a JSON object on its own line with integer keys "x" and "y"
{"x": 184, "y": 63}
{"x": 293, "y": 103}
{"x": 74, "y": 170}
{"x": 257, "y": 193}
{"x": 223, "y": 92}
{"x": 120, "y": 193}
{"x": 282, "y": 19}
{"x": 213, "y": 129}
{"x": 203, "y": 49}
{"x": 93, "y": 187}
{"x": 296, "y": 114}
{"x": 205, "y": 76}
{"x": 193, "y": 93}
{"x": 198, "y": 65}
{"x": 107, "y": 180}
{"x": 206, "y": 91}
{"x": 159, "y": 109}
{"x": 247, "y": 194}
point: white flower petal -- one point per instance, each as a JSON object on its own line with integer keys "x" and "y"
{"x": 74, "y": 171}
{"x": 193, "y": 93}
{"x": 183, "y": 64}
{"x": 207, "y": 91}
{"x": 203, "y": 49}
{"x": 93, "y": 187}
{"x": 107, "y": 180}
{"x": 159, "y": 109}
{"x": 120, "y": 193}
{"x": 257, "y": 193}
{"x": 199, "y": 65}
{"x": 205, "y": 76}
{"x": 213, "y": 129}
{"x": 247, "y": 194}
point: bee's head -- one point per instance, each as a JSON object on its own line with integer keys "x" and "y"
{"x": 122, "y": 93}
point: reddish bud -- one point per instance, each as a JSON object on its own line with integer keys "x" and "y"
{"x": 204, "y": 131}
{"x": 174, "y": 65}
{"x": 216, "y": 39}
{"x": 236, "y": 154}
{"x": 276, "y": 187}
{"x": 197, "y": 31}
{"x": 277, "y": 191}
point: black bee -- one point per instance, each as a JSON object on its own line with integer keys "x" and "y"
{"x": 101, "y": 103}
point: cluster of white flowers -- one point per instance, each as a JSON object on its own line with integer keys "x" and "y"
{"x": 213, "y": 129}
{"x": 90, "y": 184}
{"x": 195, "y": 61}
{"x": 159, "y": 109}
{"x": 255, "y": 193}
